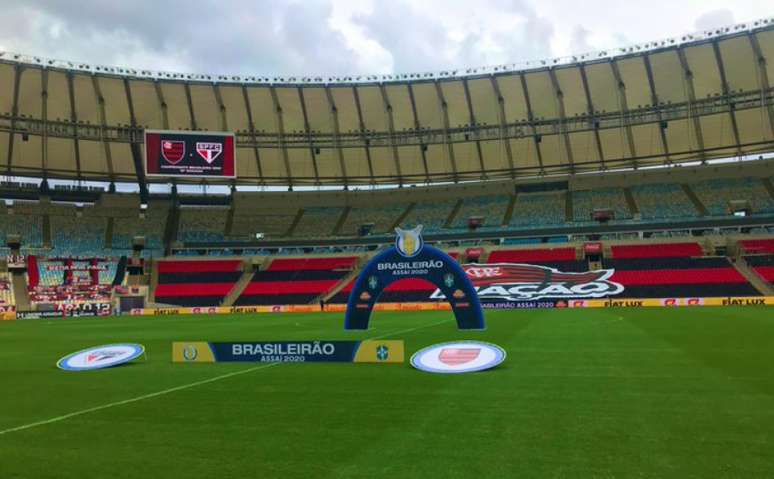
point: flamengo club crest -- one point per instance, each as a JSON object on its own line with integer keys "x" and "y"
{"x": 173, "y": 150}
{"x": 209, "y": 151}
{"x": 409, "y": 242}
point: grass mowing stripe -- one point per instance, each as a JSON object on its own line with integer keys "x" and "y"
{"x": 410, "y": 329}
{"x": 179, "y": 388}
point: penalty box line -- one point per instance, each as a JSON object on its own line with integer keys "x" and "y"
{"x": 174, "y": 389}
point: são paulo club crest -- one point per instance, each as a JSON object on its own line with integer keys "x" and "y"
{"x": 173, "y": 151}
{"x": 209, "y": 151}
{"x": 409, "y": 242}
{"x": 101, "y": 357}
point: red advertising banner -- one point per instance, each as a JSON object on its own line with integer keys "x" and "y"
{"x": 189, "y": 154}
{"x": 592, "y": 248}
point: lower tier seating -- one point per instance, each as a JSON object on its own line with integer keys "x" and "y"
{"x": 533, "y": 255}
{"x": 763, "y": 265}
{"x": 759, "y": 246}
{"x": 679, "y": 277}
{"x": 71, "y": 293}
{"x": 657, "y": 250}
{"x": 6, "y": 293}
{"x": 408, "y": 290}
{"x": 62, "y": 280}
{"x": 295, "y": 280}
{"x": 196, "y": 283}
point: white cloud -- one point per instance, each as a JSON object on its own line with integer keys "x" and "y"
{"x": 324, "y": 37}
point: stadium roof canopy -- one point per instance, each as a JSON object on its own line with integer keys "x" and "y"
{"x": 698, "y": 97}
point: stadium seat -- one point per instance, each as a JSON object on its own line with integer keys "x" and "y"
{"x": 539, "y": 210}
{"x": 296, "y": 280}
{"x": 763, "y": 265}
{"x": 318, "y": 222}
{"x": 490, "y": 208}
{"x": 432, "y": 215}
{"x": 202, "y": 224}
{"x": 585, "y": 202}
{"x": 196, "y": 283}
{"x": 383, "y": 217}
{"x": 663, "y": 201}
{"x": 716, "y": 194}
{"x": 675, "y": 270}
{"x": 656, "y": 250}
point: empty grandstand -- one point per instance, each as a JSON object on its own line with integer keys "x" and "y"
{"x": 630, "y": 146}
{"x": 536, "y": 225}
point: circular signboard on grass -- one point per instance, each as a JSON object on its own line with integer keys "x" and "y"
{"x": 101, "y": 357}
{"x": 458, "y": 357}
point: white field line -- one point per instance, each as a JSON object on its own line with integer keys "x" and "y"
{"x": 175, "y": 389}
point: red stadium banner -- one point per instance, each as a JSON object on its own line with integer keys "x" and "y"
{"x": 189, "y": 154}
{"x": 592, "y": 248}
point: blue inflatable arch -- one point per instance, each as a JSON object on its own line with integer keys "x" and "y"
{"x": 428, "y": 263}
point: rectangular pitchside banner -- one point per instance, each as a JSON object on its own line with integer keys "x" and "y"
{"x": 190, "y": 154}
{"x": 367, "y": 351}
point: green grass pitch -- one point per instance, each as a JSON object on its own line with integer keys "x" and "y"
{"x": 583, "y": 393}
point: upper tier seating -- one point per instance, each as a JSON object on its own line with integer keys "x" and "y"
{"x": 295, "y": 280}
{"x": 431, "y": 214}
{"x": 26, "y": 222}
{"x": 318, "y": 222}
{"x": 663, "y": 201}
{"x": 383, "y": 217}
{"x": 716, "y": 193}
{"x": 127, "y": 224}
{"x": 196, "y": 283}
{"x": 272, "y": 223}
{"x": 72, "y": 236}
{"x": 585, "y": 202}
{"x": 202, "y": 224}
{"x": 491, "y": 208}
{"x": 539, "y": 209}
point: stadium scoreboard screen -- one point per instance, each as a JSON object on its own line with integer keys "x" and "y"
{"x": 189, "y": 154}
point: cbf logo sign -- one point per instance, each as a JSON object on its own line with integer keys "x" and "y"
{"x": 382, "y": 352}
{"x": 409, "y": 242}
